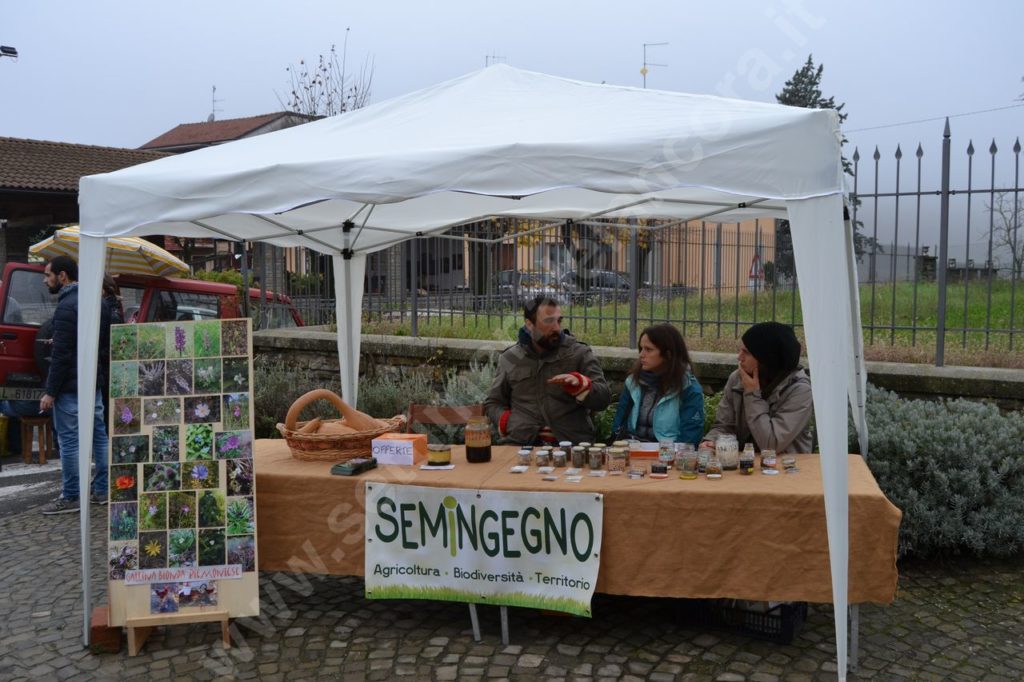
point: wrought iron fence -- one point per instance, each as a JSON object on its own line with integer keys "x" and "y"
{"x": 940, "y": 262}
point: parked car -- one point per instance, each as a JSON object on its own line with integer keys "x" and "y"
{"x": 523, "y": 285}
{"x": 25, "y": 305}
{"x": 596, "y": 285}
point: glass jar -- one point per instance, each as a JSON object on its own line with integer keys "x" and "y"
{"x": 687, "y": 464}
{"x": 728, "y": 450}
{"x": 478, "y": 440}
{"x": 714, "y": 468}
{"x": 558, "y": 458}
{"x": 703, "y": 457}
{"x": 595, "y": 457}
{"x": 768, "y": 460}
{"x": 565, "y": 445}
{"x": 666, "y": 452}
{"x": 617, "y": 460}
{"x": 747, "y": 459}
{"x": 524, "y": 457}
{"x": 438, "y": 454}
{"x": 543, "y": 457}
{"x": 579, "y": 456}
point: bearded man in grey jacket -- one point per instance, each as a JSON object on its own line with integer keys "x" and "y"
{"x": 547, "y": 384}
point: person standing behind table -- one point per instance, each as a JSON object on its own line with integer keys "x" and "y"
{"x": 61, "y": 278}
{"x": 547, "y": 383}
{"x": 767, "y": 399}
{"x": 661, "y": 399}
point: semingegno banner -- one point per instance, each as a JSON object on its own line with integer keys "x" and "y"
{"x": 531, "y": 549}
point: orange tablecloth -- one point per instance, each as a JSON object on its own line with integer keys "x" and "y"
{"x": 749, "y": 537}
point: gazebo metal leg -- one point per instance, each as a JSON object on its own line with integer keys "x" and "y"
{"x": 476, "y": 623}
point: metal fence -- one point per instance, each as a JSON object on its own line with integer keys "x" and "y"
{"x": 940, "y": 263}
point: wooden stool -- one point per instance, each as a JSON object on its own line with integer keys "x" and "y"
{"x": 28, "y": 429}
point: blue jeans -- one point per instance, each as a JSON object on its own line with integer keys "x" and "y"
{"x": 65, "y": 422}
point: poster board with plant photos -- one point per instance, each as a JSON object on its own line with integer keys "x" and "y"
{"x": 181, "y": 525}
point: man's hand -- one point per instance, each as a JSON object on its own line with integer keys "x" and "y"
{"x": 750, "y": 382}
{"x": 575, "y": 384}
{"x": 45, "y": 403}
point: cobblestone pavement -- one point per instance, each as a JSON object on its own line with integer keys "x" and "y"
{"x": 959, "y": 620}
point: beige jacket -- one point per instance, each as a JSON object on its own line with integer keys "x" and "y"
{"x": 781, "y": 422}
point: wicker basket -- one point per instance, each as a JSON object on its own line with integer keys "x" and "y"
{"x": 315, "y": 447}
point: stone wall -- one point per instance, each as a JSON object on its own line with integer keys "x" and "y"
{"x": 316, "y": 352}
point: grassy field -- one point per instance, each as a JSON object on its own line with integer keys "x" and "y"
{"x": 714, "y": 323}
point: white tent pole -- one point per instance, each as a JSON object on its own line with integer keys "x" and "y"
{"x": 348, "y": 294}
{"x": 819, "y": 246}
{"x": 90, "y": 283}
{"x": 858, "y": 374}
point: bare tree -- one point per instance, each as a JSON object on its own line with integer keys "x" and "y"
{"x": 1007, "y": 210}
{"x": 327, "y": 88}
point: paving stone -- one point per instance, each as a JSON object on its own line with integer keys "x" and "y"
{"x": 529, "y": 661}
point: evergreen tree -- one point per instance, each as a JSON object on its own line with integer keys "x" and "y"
{"x": 804, "y": 90}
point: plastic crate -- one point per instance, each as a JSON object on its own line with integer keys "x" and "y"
{"x": 780, "y": 623}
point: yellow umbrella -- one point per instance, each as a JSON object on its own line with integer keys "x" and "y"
{"x": 124, "y": 254}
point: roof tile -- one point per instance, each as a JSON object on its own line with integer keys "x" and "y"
{"x": 58, "y": 166}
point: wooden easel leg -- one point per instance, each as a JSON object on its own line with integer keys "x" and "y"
{"x": 137, "y": 637}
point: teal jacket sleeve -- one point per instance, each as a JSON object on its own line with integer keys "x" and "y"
{"x": 691, "y": 413}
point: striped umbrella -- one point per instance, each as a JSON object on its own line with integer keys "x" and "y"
{"x": 124, "y": 254}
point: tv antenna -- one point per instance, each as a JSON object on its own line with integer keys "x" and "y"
{"x": 213, "y": 106}
{"x": 643, "y": 71}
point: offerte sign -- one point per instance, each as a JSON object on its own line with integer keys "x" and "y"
{"x": 538, "y": 550}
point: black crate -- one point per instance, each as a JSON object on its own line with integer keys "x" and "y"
{"x": 780, "y": 623}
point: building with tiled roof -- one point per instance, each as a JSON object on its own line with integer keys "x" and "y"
{"x": 189, "y": 136}
{"x": 39, "y": 185}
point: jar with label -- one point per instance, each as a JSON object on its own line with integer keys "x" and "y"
{"x": 558, "y": 458}
{"x": 747, "y": 459}
{"x": 617, "y": 460}
{"x": 478, "y": 440}
{"x": 728, "y": 450}
{"x": 768, "y": 460}
{"x": 578, "y": 455}
{"x": 524, "y": 457}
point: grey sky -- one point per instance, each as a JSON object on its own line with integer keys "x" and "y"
{"x": 122, "y": 72}
{"x": 115, "y": 72}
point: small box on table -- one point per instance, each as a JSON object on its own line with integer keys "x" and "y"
{"x": 400, "y": 448}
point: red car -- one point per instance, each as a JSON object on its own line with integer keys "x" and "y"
{"x": 25, "y": 304}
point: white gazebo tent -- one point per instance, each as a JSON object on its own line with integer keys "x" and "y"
{"x": 506, "y": 142}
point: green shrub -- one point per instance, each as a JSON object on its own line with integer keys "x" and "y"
{"x": 277, "y": 385}
{"x": 956, "y": 470}
{"x": 385, "y": 394}
{"x": 711, "y": 409}
{"x": 603, "y": 423}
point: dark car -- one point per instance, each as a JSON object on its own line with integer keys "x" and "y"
{"x": 596, "y": 285}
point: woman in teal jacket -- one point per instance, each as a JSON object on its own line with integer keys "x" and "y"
{"x": 662, "y": 399}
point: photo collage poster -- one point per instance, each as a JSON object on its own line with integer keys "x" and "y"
{"x": 182, "y": 500}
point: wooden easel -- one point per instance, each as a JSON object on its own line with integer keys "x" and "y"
{"x": 139, "y": 628}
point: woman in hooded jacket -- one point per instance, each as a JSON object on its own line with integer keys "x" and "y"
{"x": 767, "y": 400}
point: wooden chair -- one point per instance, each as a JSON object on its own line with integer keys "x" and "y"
{"x": 432, "y": 415}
